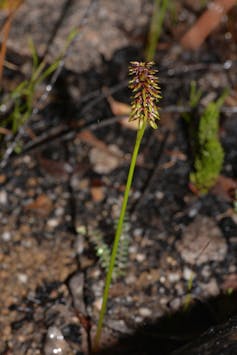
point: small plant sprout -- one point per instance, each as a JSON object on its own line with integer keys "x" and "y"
{"x": 146, "y": 93}
{"x": 103, "y": 250}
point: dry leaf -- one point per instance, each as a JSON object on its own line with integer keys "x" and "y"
{"x": 42, "y": 205}
{"x": 225, "y": 187}
{"x": 56, "y": 169}
{"x": 130, "y": 125}
{"x": 231, "y": 100}
{"x": 208, "y": 21}
{"x": 89, "y": 138}
{"x": 97, "y": 193}
{"x": 3, "y": 178}
{"x": 5, "y": 131}
{"x": 105, "y": 161}
{"x": 118, "y": 108}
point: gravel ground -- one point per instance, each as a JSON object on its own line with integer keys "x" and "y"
{"x": 58, "y": 199}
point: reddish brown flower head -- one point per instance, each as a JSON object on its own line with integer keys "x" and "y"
{"x": 146, "y": 92}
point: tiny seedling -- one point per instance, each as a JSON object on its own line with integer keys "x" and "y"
{"x": 103, "y": 250}
{"x": 146, "y": 93}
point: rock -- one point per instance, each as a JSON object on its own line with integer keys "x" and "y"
{"x": 103, "y": 162}
{"x": 50, "y": 22}
{"x": 202, "y": 241}
{"x": 210, "y": 288}
{"x": 55, "y": 342}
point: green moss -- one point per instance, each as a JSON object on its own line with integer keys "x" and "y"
{"x": 209, "y": 154}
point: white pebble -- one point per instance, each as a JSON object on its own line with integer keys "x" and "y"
{"x": 140, "y": 257}
{"x": 187, "y": 273}
{"x": 174, "y": 277}
{"x": 98, "y": 304}
{"x": 130, "y": 279}
{"x": 52, "y": 223}
{"x": 23, "y": 278}
{"x": 3, "y": 197}
{"x": 145, "y": 312}
{"x": 162, "y": 279}
{"x": 159, "y": 195}
{"x": 59, "y": 211}
{"x": 55, "y": 342}
{"x": 192, "y": 212}
{"x": 175, "y": 304}
{"x": 6, "y": 236}
{"x": 138, "y": 232}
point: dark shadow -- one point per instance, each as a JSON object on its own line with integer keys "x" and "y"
{"x": 174, "y": 331}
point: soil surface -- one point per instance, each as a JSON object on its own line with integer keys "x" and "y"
{"x": 60, "y": 196}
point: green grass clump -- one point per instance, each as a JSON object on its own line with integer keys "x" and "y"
{"x": 22, "y": 98}
{"x": 209, "y": 154}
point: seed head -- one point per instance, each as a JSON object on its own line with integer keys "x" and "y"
{"x": 146, "y": 92}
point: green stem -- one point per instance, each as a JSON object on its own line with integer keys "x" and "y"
{"x": 159, "y": 11}
{"x": 109, "y": 275}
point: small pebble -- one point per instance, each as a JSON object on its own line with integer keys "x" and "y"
{"x": 3, "y": 197}
{"x": 175, "y": 304}
{"x": 3, "y": 178}
{"x": 138, "y": 232}
{"x": 171, "y": 261}
{"x": 26, "y": 159}
{"x": 211, "y": 288}
{"x": 192, "y": 212}
{"x": 188, "y": 273}
{"x": 98, "y": 304}
{"x": 159, "y": 195}
{"x": 162, "y": 279}
{"x": 173, "y": 277}
{"x": 136, "y": 195}
{"x": 179, "y": 289}
{"x": 232, "y": 269}
{"x": 130, "y": 279}
{"x": 59, "y": 211}
{"x": 79, "y": 244}
{"x": 23, "y": 278}
{"x": 138, "y": 319}
{"x": 161, "y": 290}
{"x": 145, "y": 312}
{"x": 6, "y": 236}
{"x": 140, "y": 257}
{"x": 52, "y": 223}
{"x": 55, "y": 342}
{"x": 132, "y": 249}
{"x": 206, "y": 271}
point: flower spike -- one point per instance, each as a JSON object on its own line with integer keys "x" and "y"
{"x": 146, "y": 92}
